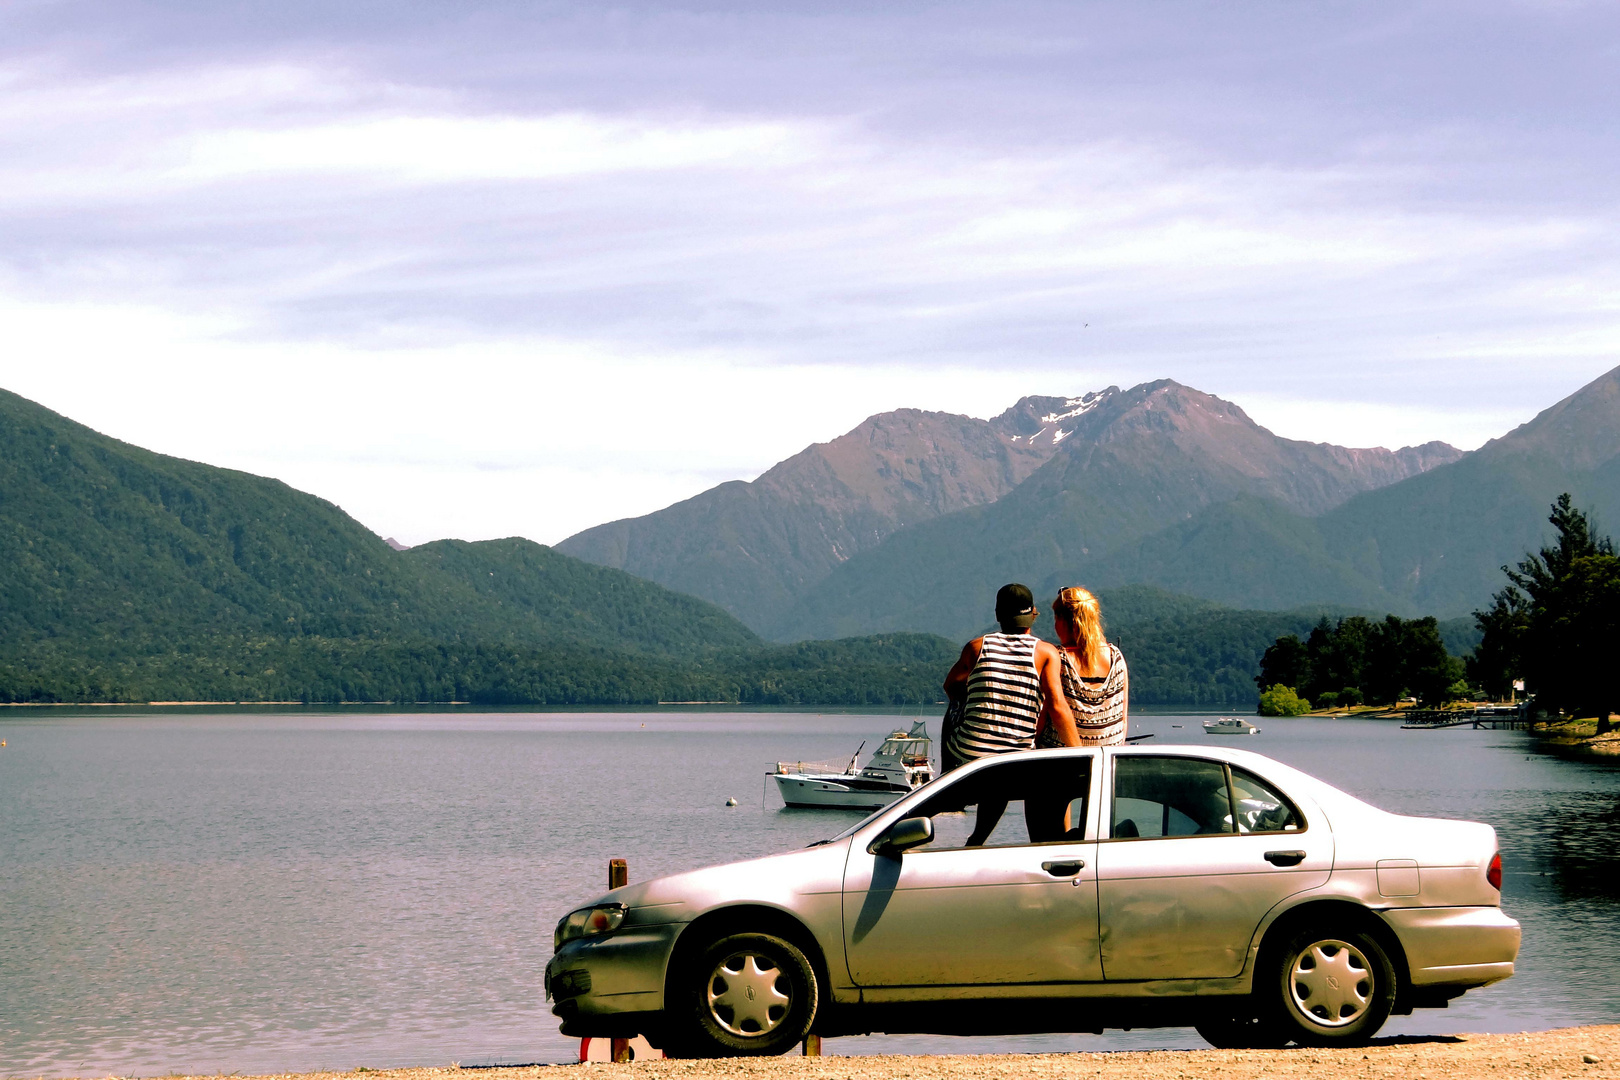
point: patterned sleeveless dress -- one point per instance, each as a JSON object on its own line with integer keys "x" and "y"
{"x": 1099, "y": 703}
{"x": 1003, "y": 699}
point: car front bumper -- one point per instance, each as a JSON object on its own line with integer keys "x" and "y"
{"x": 1460, "y": 947}
{"x": 592, "y": 981}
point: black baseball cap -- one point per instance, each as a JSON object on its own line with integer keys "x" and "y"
{"x": 1015, "y": 606}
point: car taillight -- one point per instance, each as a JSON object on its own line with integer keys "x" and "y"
{"x": 1493, "y": 872}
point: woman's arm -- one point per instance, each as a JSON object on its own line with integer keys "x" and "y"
{"x": 1127, "y": 711}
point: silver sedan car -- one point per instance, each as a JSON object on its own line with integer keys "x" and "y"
{"x": 1121, "y": 887}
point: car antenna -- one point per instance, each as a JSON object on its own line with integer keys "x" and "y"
{"x": 1139, "y": 738}
{"x": 855, "y": 757}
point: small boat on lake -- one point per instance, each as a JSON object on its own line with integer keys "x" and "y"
{"x": 1230, "y": 725}
{"x": 899, "y": 765}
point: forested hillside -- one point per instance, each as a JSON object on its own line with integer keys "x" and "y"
{"x": 100, "y": 540}
{"x": 130, "y": 576}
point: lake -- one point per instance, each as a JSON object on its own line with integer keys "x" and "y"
{"x": 257, "y": 892}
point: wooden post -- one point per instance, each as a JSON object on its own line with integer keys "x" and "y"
{"x": 619, "y": 1049}
{"x": 812, "y": 1045}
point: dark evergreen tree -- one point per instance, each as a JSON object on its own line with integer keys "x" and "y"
{"x": 1497, "y": 660}
{"x": 1556, "y": 623}
{"x": 1338, "y": 657}
{"x": 1285, "y": 663}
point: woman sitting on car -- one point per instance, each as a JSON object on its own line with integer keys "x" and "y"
{"x": 1095, "y": 678}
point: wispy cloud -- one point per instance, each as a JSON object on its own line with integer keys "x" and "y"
{"x": 470, "y": 243}
{"x": 446, "y": 149}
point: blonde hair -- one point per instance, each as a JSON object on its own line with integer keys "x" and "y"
{"x": 1081, "y": 608}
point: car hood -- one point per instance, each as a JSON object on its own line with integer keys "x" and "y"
{"x": 772, "y": 881}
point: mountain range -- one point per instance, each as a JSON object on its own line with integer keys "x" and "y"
{"x": 912, "y": 520}
{"x": 129, "y": 575}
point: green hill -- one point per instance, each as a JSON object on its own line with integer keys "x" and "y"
{"x": 130, "y": 576}
{"x": 103, "y": 540}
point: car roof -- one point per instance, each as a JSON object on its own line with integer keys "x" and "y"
{"x": 1268, "y": 767}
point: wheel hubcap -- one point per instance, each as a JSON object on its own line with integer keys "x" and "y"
{"x": 1331, "y": 983}
{"x": 745, "y": 994}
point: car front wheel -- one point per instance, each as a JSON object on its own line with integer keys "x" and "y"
{"x": 1332, "y": 988}
{"x": 746, "y": 994}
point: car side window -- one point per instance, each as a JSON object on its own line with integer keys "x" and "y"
{"x": 1260, "y": 808}
{"x": 1045, "y": 802}
{"x": 1169, "y": 796}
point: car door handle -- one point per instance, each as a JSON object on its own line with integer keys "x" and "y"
{"x": 1064, "y": 867}
{"x": 1285, "y": 858}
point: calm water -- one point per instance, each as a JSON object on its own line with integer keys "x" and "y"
{"x": 271, "y": 892}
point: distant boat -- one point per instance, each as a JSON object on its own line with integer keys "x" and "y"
{"x": 1230, "y": 725}
{"x": 899, "y": 765}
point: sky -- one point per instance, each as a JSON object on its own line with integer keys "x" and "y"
{"x": 488, "y": 269}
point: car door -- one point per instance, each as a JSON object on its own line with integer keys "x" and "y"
{"x": 1196, "y": 853}
{"x": 1014, "y": 910}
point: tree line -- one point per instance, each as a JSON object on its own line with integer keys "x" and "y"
{"x": 1358, "y": 660}
{"x": 1555, "y": 626}
{"x": 892, "y": 669}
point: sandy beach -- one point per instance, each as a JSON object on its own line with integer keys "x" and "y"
{"x": 1587, "y": 1052}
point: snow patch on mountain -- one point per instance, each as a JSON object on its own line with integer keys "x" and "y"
{"x": 1043, "y": 422}
{"x": 1076, "y": 407}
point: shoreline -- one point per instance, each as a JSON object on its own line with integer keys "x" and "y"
{"x": 1588, "y": 1052}
{"x": 1578, "y": 739}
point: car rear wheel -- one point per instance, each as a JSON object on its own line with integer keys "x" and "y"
{"x": 1332, "y": 988}
{"x": 746, "y": 994}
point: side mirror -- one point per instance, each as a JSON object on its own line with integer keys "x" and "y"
{"x": 903, "y": 835}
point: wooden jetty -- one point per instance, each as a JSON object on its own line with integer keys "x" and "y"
{"x": 1488, "y": 717}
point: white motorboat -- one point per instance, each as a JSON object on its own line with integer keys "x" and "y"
{"x": 900, "y": 764}
{"x": 1230, "y": 725}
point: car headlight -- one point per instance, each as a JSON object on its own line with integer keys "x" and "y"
{"x": 588, "y": 922}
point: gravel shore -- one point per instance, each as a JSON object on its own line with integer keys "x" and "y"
{"x": 1586, "y": 1052}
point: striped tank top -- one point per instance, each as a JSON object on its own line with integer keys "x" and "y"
{"x": 1003, "y": 699}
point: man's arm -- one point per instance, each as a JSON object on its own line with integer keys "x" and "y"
{"x": 1055, "y": 703}
{"x": 956, "y": 680}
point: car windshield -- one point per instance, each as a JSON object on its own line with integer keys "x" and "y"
{"x": 847, "y": 833}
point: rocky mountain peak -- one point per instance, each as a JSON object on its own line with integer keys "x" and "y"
{"x": 1043, "y": 421}
{"x": 1165, "y": 409}
{"x": 1580, "y": 432}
